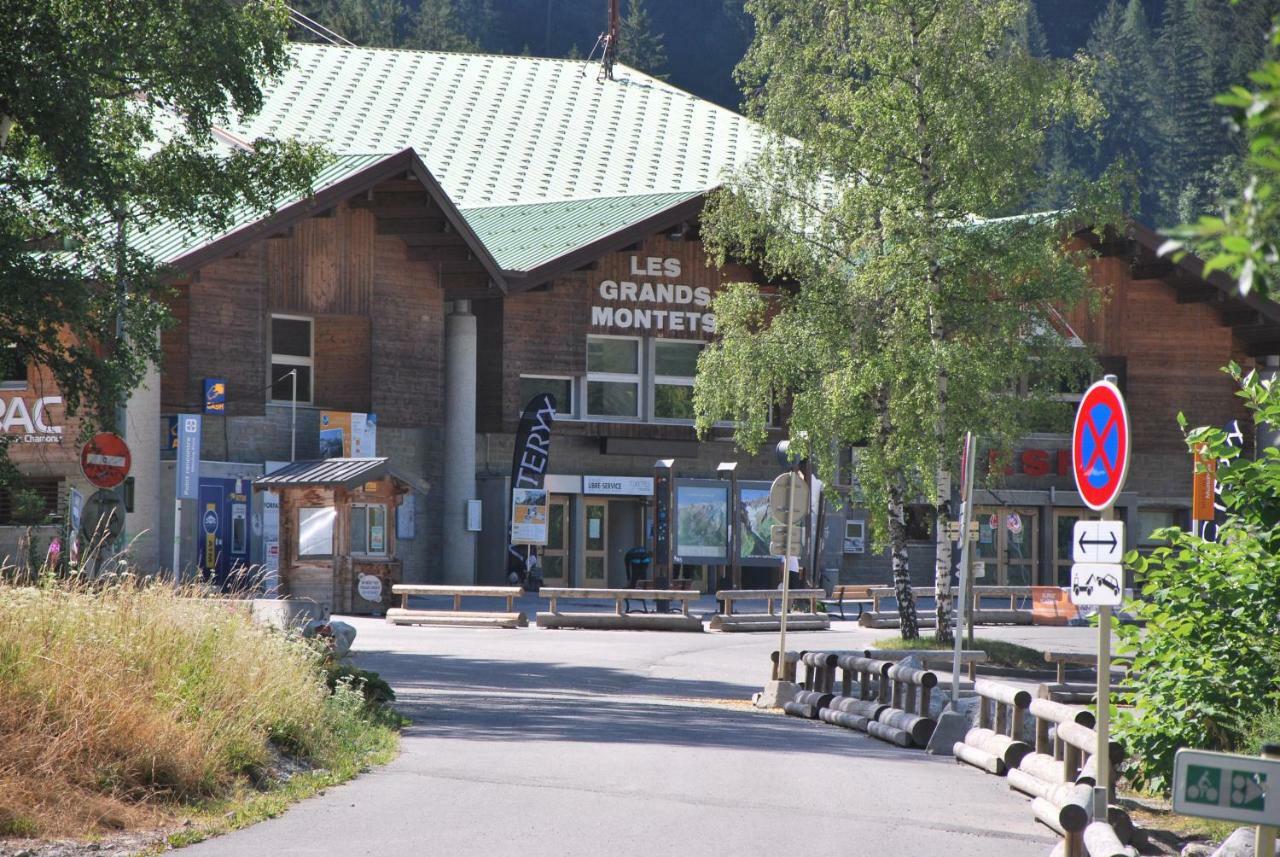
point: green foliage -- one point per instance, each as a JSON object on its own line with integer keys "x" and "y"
{"x": 638, "y": 46}
{"x": 106, "y": 120}
{"x": 26, "y": 506}
{"x": 1207, "y": 662}
{"x": 1263, "y": 731}
{"x": 374, "y": 689}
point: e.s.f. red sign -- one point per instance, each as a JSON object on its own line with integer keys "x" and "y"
{"x": 1100, "y": 445}
{"x": 105, "y": 459}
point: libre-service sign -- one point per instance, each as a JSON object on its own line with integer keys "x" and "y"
{"x": 105, "y": 460}
{"x": 1242, "y": 789}
{"x": 1100, "y": 445}
{"x": 628, "y": 486}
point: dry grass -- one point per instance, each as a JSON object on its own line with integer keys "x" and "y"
{"x": 120, "y": 702}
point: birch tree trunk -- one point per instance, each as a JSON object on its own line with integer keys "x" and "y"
{"x": 901, "y": 563}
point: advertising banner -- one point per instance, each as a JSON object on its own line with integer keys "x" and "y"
{"x": 215, "y": 396}
{"x": 755, "y": 524}
{"x": 188, "y": 468}
{"x": 344, "y": 434}
{"x": 529, "y": 464}
{"x": 702, "y": 522}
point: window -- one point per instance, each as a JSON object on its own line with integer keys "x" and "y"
{"x": 675, "y": 363}
{"x": 613, "y": 377}
{"x": 1150, "y": 520}
{"x": 369, "y": 530}
{"x": 291, "y": 350}
{"x": 13, "y": 369}
{"x": 855, "y": 536}
{"x": 31, "y": 501}
{"x": 315, "y": 532}
{"x": 560, "y": 388}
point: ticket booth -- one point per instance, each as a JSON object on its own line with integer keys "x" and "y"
{"x": 338, "y": 531}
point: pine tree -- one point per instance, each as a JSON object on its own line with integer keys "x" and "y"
{"x": 639, "y": 47}
{"x": 371, "y": 23}
{"x": 435, "y": 28}
{"x": 1191, "y": 138}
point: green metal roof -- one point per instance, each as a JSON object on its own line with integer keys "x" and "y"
{"x": 522, "y": 237}
{"x": 168, "y": 242}
{"x": 505, "y": 130}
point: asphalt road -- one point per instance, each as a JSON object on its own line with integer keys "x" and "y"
{"x": 533, "y": 742}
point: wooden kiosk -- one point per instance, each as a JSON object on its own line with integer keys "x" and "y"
{"x": 338, "y": 532}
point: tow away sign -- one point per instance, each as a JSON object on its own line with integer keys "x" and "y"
{"x": 1097, "y": 584}
{"x": 1097, "y": 541}
{"x": 1242, "y": 789}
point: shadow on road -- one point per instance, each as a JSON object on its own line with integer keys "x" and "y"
{"x": 490, "y": 700}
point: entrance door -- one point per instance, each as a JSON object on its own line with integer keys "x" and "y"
{"x": 223, "y": 530}
{"x": 555, "y": 556}
{"x": 1064, "y": 523}
{"x": 1008, "y": 543}
{"x": 595, "y": 555}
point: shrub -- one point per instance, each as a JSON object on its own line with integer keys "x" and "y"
{"x": 122, "y": 699}
{"x": 1207, "y": 662}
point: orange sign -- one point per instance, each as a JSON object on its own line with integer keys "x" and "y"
{"x": 1051, "y": 605}
{"x": 1203, "y": 483}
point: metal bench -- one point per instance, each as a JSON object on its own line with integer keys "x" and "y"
{"x": 851, "y": 595}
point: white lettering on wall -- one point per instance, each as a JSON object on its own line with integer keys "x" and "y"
{"x": 674, "y": 297}
{"x": 30, "y": 423}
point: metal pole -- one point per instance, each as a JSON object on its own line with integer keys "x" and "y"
{"x": 966, "y": 515}
{"x": 293, "y": 418}
{"x": 177, "y": 536}
{"x": 1102, "y": 754}
{"x": 786, "y": 582}
{"x": 1264, "y": 838}
{"x": 735, "y": 558}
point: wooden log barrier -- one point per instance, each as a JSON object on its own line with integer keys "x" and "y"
{"x": 980, "y": 759}
{"x": 800, "y": 709}
{"x": 1029, "y": 785}
{"x": 919, "y": 728}
{"x": 1047, "y": 814}
{"x": 1042, "y": 767}
{"x": 789, "y": 673}
{"x": 1010, "y": 749}
{"x": 844, "y": 718}
{"x": 1007, "y": 694}
{"x": 1100, "y": 840}
{"x": 1126, "y": 831}
{"x": 814, "y": 698}
{"x": 1056, "y": 712}
{"x": 1086, "y": 740}
{"x": 1075, "y": 804}
{"x": 885, "y": 732}
{"x": 868, "y": 708}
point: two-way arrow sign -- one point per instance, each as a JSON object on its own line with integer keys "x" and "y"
{"x": 1098, "y": 541}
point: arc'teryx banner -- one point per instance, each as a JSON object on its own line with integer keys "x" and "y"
{"x": 532, "y": 453}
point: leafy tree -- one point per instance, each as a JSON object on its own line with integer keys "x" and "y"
{"x": 1210, "y": 648}
{"x": 106, "y": 127}
{"x": 638, "y": 46}
{"x": 902, "y": 321}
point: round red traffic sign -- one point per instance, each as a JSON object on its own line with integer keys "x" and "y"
{"x": 1100, "y": 445}
{"x": 105, "y": 459}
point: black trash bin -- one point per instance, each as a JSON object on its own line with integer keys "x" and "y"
{"x": 638, "y": 560}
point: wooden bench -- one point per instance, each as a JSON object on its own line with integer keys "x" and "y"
{"x": 403, "y": 615}
{"x": 620, "y": 619}
{"x": 851, "y": 595}
{"x": 771, "y": 620}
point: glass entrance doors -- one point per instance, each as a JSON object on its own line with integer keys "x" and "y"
{"x": 555, "y": 556}
{"x": 1064, "y": 524}
{"x": 1008, "y": 542}
{"x": 596, "y": 549}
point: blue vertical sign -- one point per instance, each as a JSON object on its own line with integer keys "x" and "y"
{"x": 215, "y": 396}
{"x": 188, "y": 456}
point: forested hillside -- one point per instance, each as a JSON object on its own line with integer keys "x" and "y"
{"x": 1157, "y": 64}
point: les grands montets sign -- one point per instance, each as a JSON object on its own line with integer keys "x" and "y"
{"x": 653, "y": 301}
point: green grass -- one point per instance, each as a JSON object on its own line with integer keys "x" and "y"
{"x": 999, "y": 652}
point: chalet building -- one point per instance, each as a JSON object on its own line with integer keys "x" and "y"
{"x": 496, "y": 227}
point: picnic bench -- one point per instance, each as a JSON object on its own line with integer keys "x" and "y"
{"x": 770, "y": 620}
{"x": 848, "y": 594}
{"x": 404, "y": 615}
{"x": 620, "y": 618}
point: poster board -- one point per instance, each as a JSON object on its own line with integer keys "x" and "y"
{"x": 344, "y": 434}
{"x": 754, "y": 525}
{"x": 529, "y": 516}
{"x": 702, "y": 521}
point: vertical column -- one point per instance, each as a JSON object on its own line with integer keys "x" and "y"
{"x": 459, "y": 443}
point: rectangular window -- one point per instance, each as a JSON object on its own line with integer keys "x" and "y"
{"x": 369, "y": 530}
{"x": 13, "y": 369}
{"x": 291, "y": 352}
{"x": 613, "y": 377}
{"x": 315, "y": 532}
{"x": 1150, "y": 520}
{"x": 675, "y": 363}
{"x": 560, "y": 388}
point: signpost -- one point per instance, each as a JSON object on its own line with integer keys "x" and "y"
{"x": 1231, "y": 788}
{"x": 968, "y": 524}
{"x": 788, "y": 503}
{"x": 105, "y": 460}
{"x": 1100, "y": 444}
{"x": 188, "y": 478}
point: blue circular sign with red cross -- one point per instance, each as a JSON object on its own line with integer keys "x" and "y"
{"x": 1100, "y": 445}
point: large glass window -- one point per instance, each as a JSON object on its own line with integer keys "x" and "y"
{"x": 613, "y": 377}
{"x": 315, "y": 532}
{"x": 675, "y": 364}
{"x": 369, "y": 530}
{"x": 13, "y": 369}
{"x": 560, "y": 388}
{"x": 291, "y": 351}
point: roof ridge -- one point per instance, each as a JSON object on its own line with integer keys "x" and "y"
{"x": 587, "y": 198}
